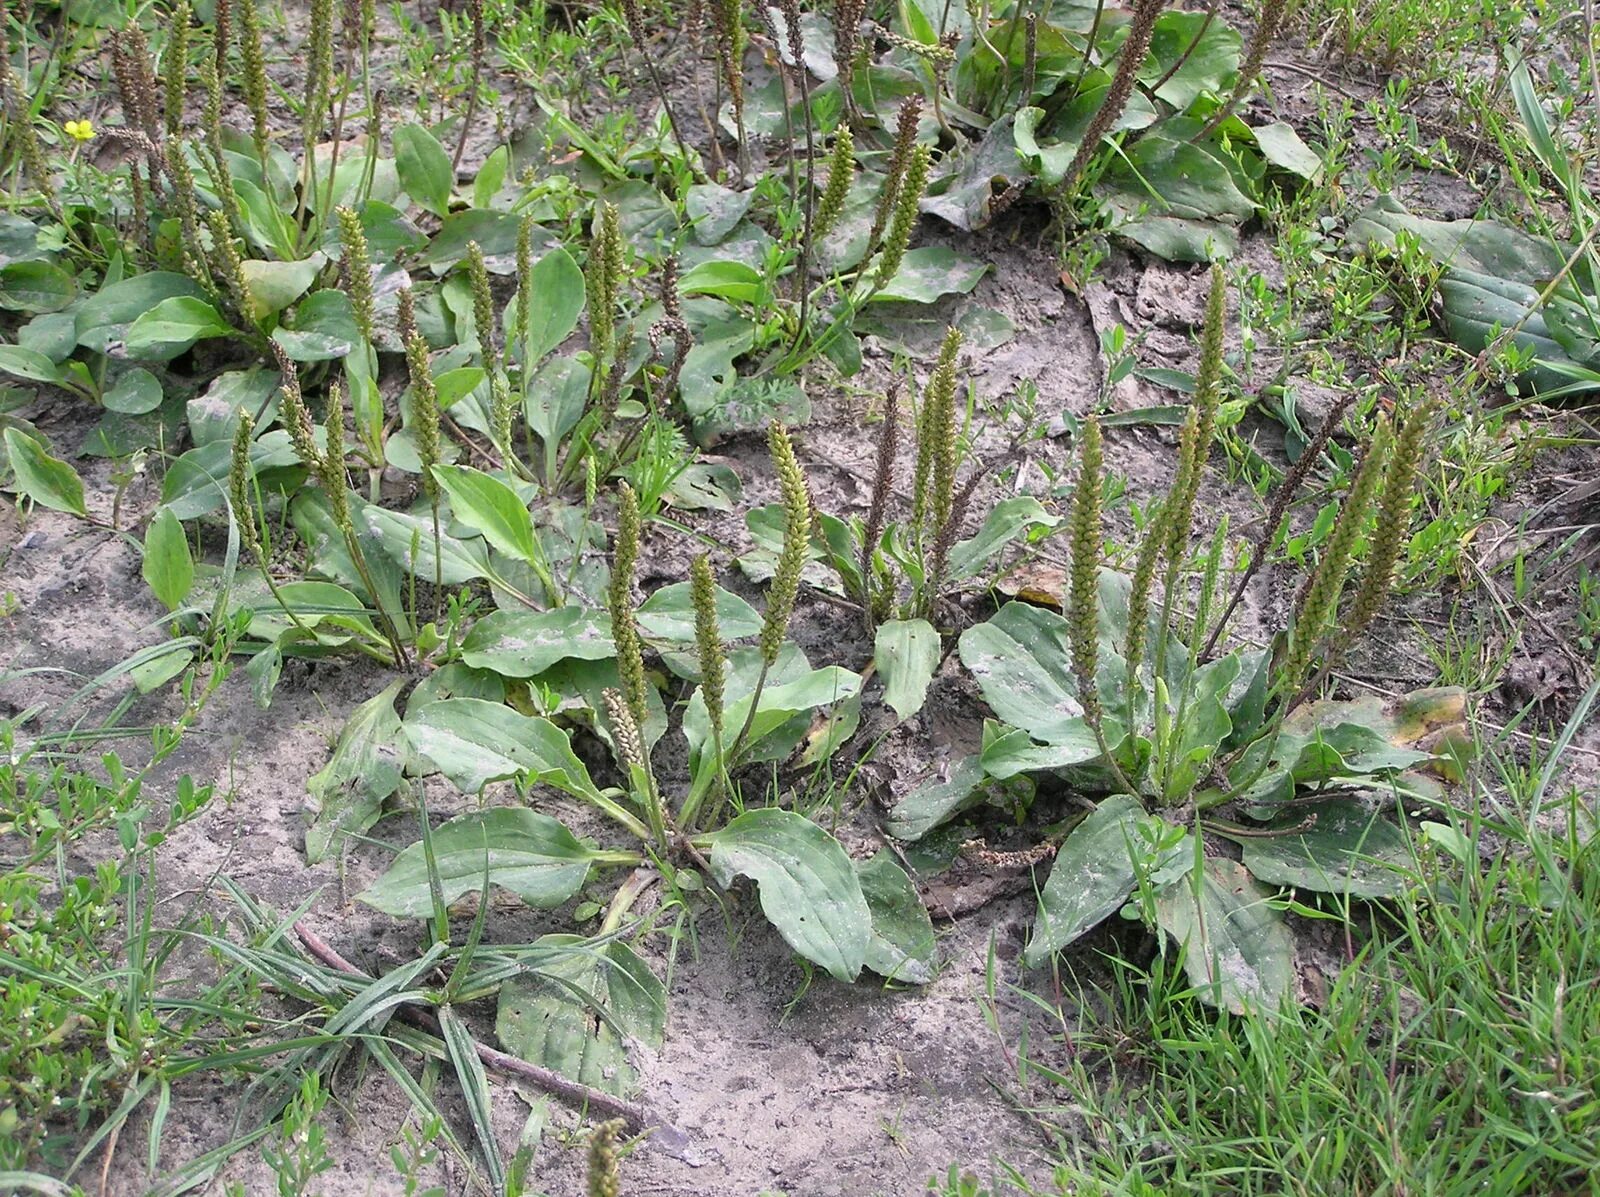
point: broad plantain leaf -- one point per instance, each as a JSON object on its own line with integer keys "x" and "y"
{"x": 1239, "y": 952}
{"x": 524, "y": 643}
{"x": 424, "y": 168}
{"x": 668, "y": 614}
{"x": 792, "y": 688}
{"x": 1190, "y": 55}
{"x": 906, "y": 652}
{"x": 48, "y": 481}
{"x": 137, "y": 393}
{"x": 172, "y": 326}
{"x": 530, "y": 854}
{"x": 489, "y": 506}
{"x": 556, "y": 301}
{"x": 931, "y": 271}
{"x": 1348, "y": 850}
{"x": 473, "y": 742}
{"x": 1092, "y": 877}
{"x": 577, "y": 1012}
{"x": 402, "y": 535}
{"x": 1006, "y": 521}
{"x": 367, "y": 765}
{"x": 36, "y": 286}
{"x": 938, "y": 800}
{"x": 808, "y": 885}
{"x": 168, "y": 565}
{"x": 901, "y": 946}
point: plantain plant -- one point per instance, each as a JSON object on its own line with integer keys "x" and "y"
{"x": 1132, "y": 694}
{"x": 501, "y": 712}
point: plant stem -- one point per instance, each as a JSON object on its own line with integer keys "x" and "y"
{"x": 438, "y": 561}
{"x": 1194, "y": 44}
{"x": 749, "y": 718}
{"x": 402, "y": 660}
{"x": 621, "y": 815}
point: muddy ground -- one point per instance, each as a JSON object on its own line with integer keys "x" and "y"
{"x": 782, "y": 1086}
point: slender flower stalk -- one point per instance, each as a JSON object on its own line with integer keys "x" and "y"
{"x": 15, "y": 107}
{"x": 709, "y": 650}
{"x": 1030, "y": 57}
{"x": 1169, "y": 731}
{"x": 186, "y": 199}
{"x": 424, "y": 411}
{"x": 502, "y": 415}
{"x": 605, "y": 1175}
{"x": 671, "y": 324}
{"x": 1319, "y": 598}
{"x": 175, "y": 66}
{"x": 882, "y": 488}
{"x": 711, "y": 656}
{"x": 315, "y": 100}
{"x": 624, "y": 626}
{"x": 634, "y": 20}
{"x": 1188, "y": 51}
{"x": 405, "y": 316}
{"x": 229, "y": 264}
{"x": 905, "y": 141}
{"x": 243, "y": 509}
{"x": 944, "y": 438}
{"x": 1083, "y": 592}
{"x": 215, "y": 86}
{"x": 221, "y": 36}
{"x": 482, "y": 307}
{"x": 239, "y": 487}
{"x": 727, "y": 22}
{"x": 1199, "y": 433}
{"x": 603, "y": 281}
{"x": 847, "y": 17}
{"x": 625, "y": 733}
{"x": 474, "y": 80}
{"x": 424, "y": 430}
{"x": 136, "y": 89}
{"x": 1288, "y": 488}
{"x": 140, "y": 198}
{"x": 785, "y": 585}
{"x": 933, "y": 476}
{"x": 633, "y": 753}
{"x": 357, "y": 271}
{"x": 136, "y": 80}
{"x": 1394, "y": 518}
{"x": 524, "y": 315}
{"x": 906, "y": 210}
{"x": 841, "y": 173}
{"x": 292, "y": 410}
{"x": 1134, "y": 49}
{"x": 1148, "y": 560}
{"x": 944, "y": 540}
{"x": 1194, "y": 449}
{"x": 253, "y": 64}
{"x": 1267, "y": 26}
{"x": 808, "y": 194}
{"x": 1208, "y": 589}
{"x": 328, "y": 467}
{"x": 331, "y": 465}
{"x": 629, "y": 708}
{"x": 319, "y": 69}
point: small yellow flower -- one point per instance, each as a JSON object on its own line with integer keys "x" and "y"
{"x": 79, "y": 130}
